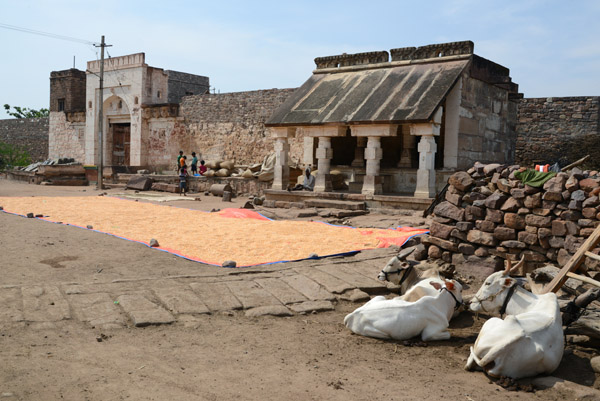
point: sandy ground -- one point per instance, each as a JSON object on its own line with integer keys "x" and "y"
{"x": 220, "y": 356}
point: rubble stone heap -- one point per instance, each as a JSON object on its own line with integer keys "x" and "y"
{"x": 487, "y": 211}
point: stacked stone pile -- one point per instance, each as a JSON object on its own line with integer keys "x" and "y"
{"x": 489, "y": 212}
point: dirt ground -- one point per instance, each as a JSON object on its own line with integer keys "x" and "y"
{"x": 225, "y": 355}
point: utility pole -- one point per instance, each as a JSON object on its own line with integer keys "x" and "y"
{"x": 101, "y": 115}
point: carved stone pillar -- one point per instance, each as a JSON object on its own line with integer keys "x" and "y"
{"x": 281, "y": 174}
{"x": 324, "y": 155}
{"x": 359, "y": 152}
{"x": 426, "y": 172}
{"x": 373, "y": 153}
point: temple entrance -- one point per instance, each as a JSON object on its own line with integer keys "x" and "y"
{"x": 121, "y": 134}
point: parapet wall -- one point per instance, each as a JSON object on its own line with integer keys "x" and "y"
{"x": 488, "y": 211}
{"x": 559, "y": 130}
{"x": 28, "y": 133}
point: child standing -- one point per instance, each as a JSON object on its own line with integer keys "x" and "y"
{"x": 194, "y": 164}
{"x": 183, "y": 174}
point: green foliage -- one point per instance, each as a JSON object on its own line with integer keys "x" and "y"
{"x": 11, "y": 155}
{"x": 24, "y": 112}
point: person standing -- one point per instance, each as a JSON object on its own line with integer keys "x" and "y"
{"x": 194, "y": 164}
{"x": 179, "y": 160}
{"x": 183, "y": 174}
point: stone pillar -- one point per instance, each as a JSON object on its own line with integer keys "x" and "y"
{"x": 324, "y": 155}
{"x": 408, "y": 143}
{"x": 281, "y": 175}
{"x": 359, "y": 152}
{"x": 427, "y": 148}
{"x": 372, "y": 182}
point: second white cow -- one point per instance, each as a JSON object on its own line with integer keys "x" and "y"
{"x": 528, "y": 342}
{"x": 400, "y": 320}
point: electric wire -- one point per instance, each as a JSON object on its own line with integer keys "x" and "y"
{"x": 47, "y": 34}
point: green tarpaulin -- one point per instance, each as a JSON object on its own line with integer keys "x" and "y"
{"x": 533, "y": 178}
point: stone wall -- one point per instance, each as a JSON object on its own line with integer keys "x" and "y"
{"x": 67, "y": 136}
{"x": 67, "y": 90}
{"x": 181, "y": 84}
{"x": 489, "y": 211}
{"x": 562, "y": 130}
{"x": 230, "y": 126}
{"x": 487, "y": 120}
{"x": 28, "y": 133}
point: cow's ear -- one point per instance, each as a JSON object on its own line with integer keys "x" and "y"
{"x": 435, "y": 285}
{"x": 509, "y": 281}
{"x": 450, "y": 285}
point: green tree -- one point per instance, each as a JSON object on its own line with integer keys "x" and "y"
{"x": 11, "y": 155}
{"x": 24, "y": 112}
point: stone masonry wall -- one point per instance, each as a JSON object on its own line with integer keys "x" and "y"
{"x": 488, "y": 211}
{"x": 67, "y": 136}
{"x": 28, "y": 133}
{"x": 486, "y": 124}
{"x": 230, "y": 126}
{"x": 562, "y": 130}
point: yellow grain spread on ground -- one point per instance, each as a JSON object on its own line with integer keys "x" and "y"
{"x": 201, "y": 235}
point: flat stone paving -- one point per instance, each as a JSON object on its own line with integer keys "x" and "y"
{"x": 296, "y": 288}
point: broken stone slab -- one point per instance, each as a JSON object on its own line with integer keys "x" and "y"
{"x": 268, "y": 310}
{"x": 547, "y": 273}
{"x": 139, "y": 183}
{"x": 461, "y": 181}
{"x": 229, "y": 263}
{"x": 312, "y": 306}
{"x": 482, "y": 238}
{"x": 447, "y": 209}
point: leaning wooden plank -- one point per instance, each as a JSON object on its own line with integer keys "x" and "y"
{"x": 573, "y": 263}
{"x": 592, "y": 255}
{"x": 584, "y": 279}
{"x": 576, "y": 163}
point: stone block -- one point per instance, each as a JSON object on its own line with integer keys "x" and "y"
{"x": 553, "y": 196}
{"x": 586, "y": 232}
{"x": 485, "y": 225}
{"x": 575, "y": 205}
{"x": 572, "y": 228}
{"x": 541, "y": 212}
{"x": 511, "y": 205}
{"x": 563, "y": 257}
{"x": 572, "y": 184}
{"x": 466, "y": 249}
{"x": 557, "y": 242}
{"x": 455, "y": 199}
{"x": 447, "y": 209}
{"x": 592, "y": 201}
{"x": 523, "y": 211}
{"x": 504, "y": 233}
{"x": 482, "y": 238}
{"x": 572, "y": 215}
{"x": 495, "y": 216}
{"x": 589, "y": 212}
{"x": 444, "y": 244}
{"x": 473, "y": 213}
{"x": 504, "y": 185}
{"x": 464, "y": 226}
{"x": 587, "y": 223}
{"x": 556, "y": 184}
{"x": 495, "y": 200}
{"x": 544, "y": 233}
{"x": 461, "y": 235}
{"x": 531, "y": 229}
{"x": 461, "y": 180}
{"x": 578, "y": 195}
{"x": 515, "y": 221}
{"x": 572, "y": 243}
{"x": 533, "y": 201}
{"x": 589, "y": 184}
{"x": 440, "y": 230}
{"x": 517, "y": 193}
{"x": 139, "y": 183}
{"x": 442, "y": 220}
{"x": 482, "y": 252}
{"x": 559, "y": 227}
{"x": 513, "y": 244}
{"x": 538, "y": 221}
{"x": 548, "y": 204}
{"x": 528, "y": 238}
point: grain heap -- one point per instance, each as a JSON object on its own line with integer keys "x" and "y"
{"x": 488, "y": 211}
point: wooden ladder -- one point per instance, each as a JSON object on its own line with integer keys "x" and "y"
{"x": 575, "y": 262}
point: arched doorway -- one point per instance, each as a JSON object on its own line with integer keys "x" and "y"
{"x": 118, "y": 132}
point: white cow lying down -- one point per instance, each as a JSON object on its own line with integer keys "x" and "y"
{"x": 400, "y": 320}
{"x": 529, "y": 341}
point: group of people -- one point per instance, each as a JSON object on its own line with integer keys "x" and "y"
{"x": 183, "y": 172}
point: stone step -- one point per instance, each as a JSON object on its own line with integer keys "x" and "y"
{"x": 335, "y": 204}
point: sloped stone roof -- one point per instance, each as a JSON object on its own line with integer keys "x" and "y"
{"x": 389, "y": 92}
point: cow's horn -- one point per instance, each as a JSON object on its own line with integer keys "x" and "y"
{"x": 518, "y": 265}
{"x": 508, "y": 266}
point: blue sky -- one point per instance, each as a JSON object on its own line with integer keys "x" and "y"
{"x": 551, "y": 47}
